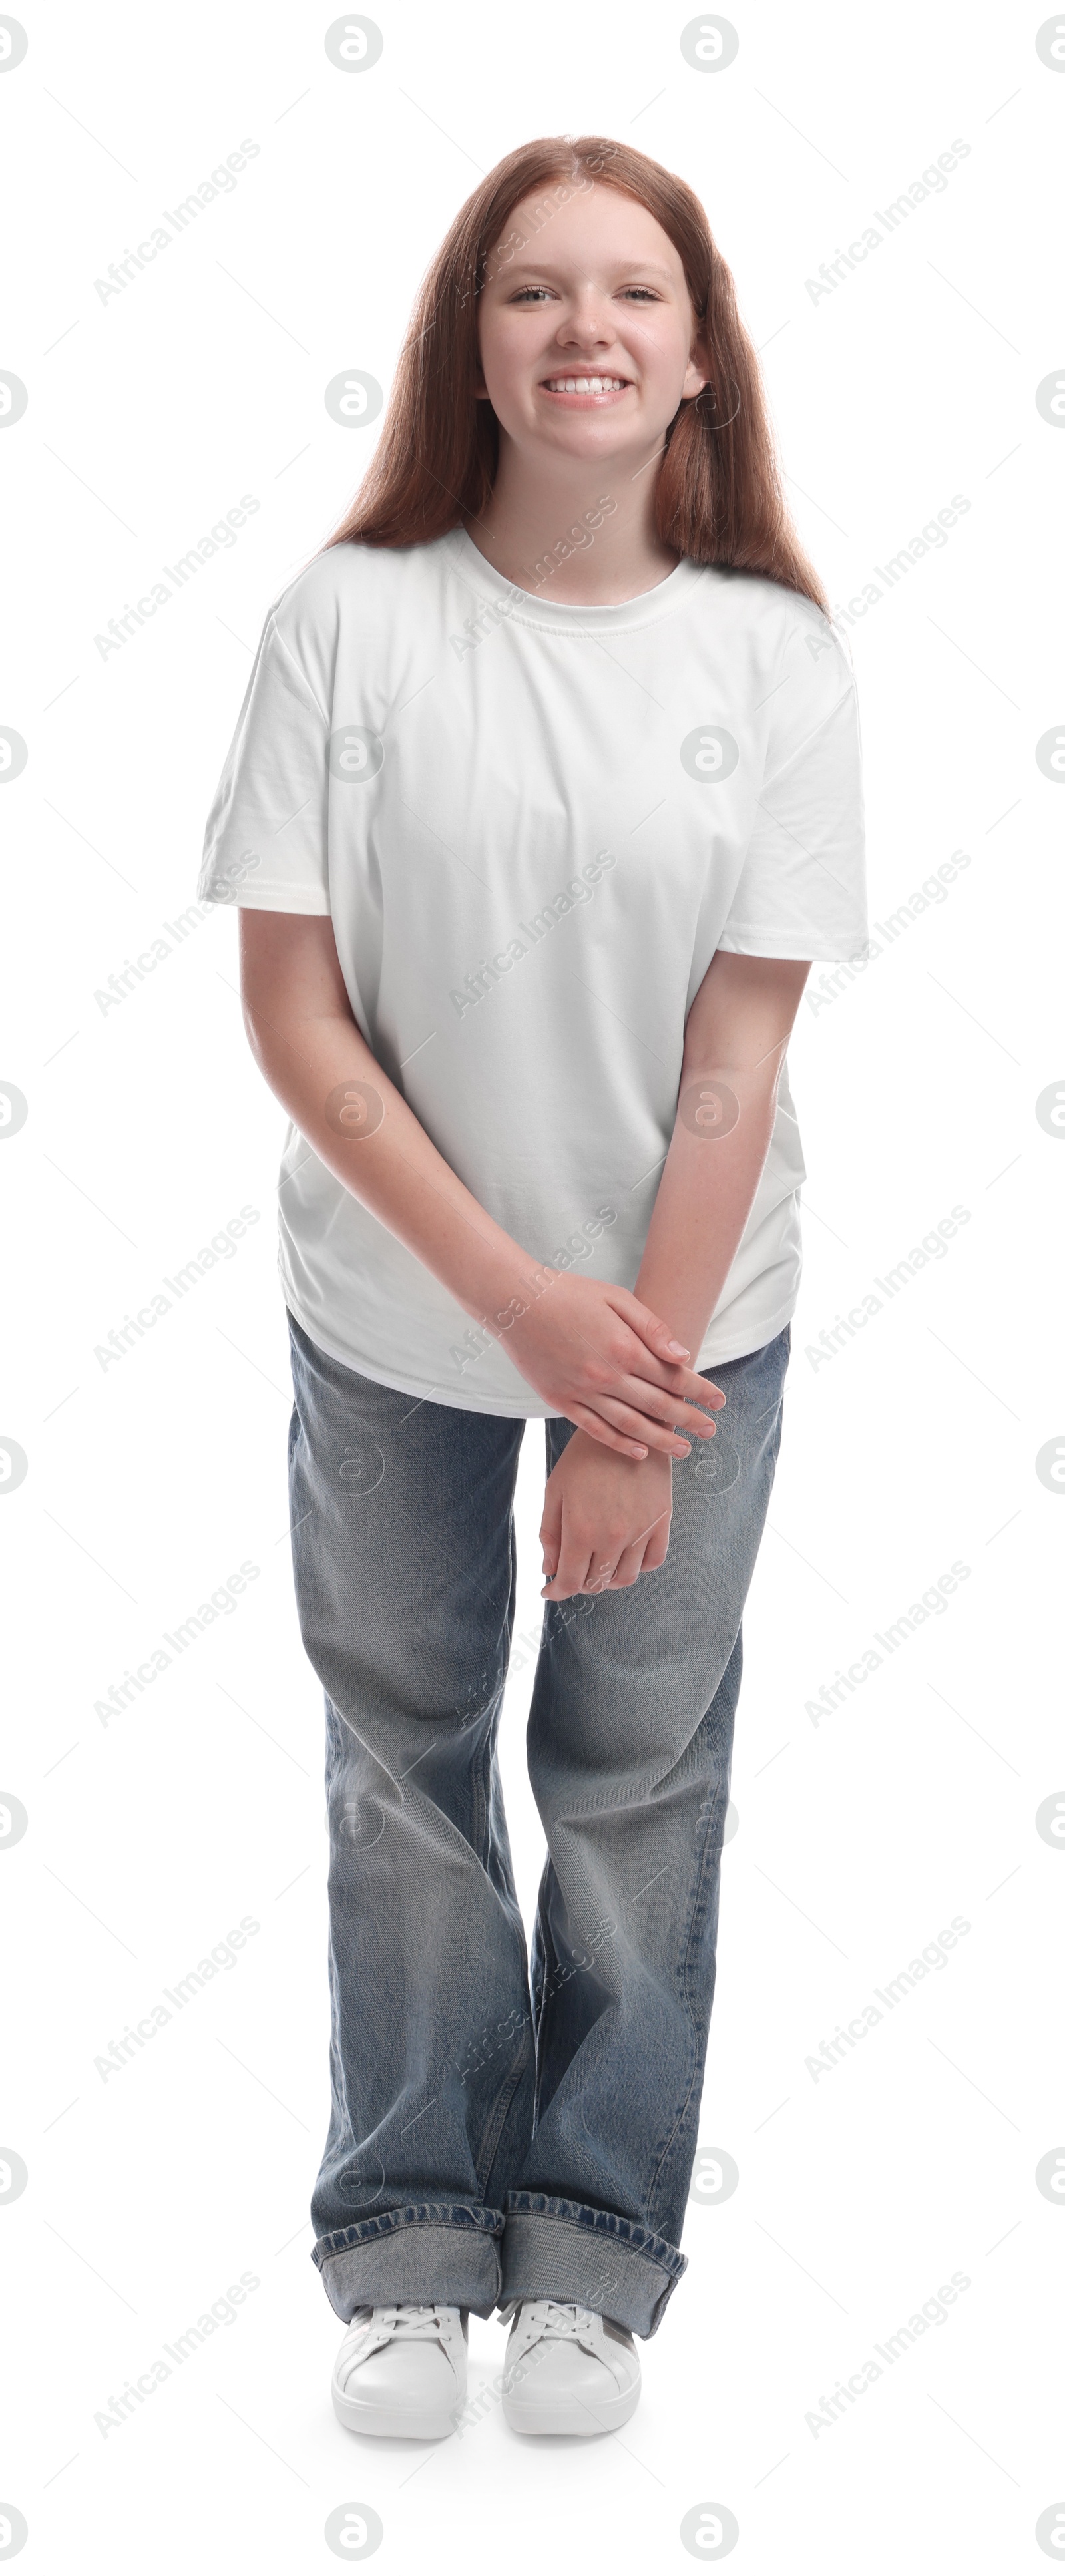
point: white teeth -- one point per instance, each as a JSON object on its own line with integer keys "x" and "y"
{"x": 585, "y": 385}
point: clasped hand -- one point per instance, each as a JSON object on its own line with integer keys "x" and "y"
{"x": 615, "y": 1370}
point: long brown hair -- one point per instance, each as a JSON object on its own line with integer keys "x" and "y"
{"x": 718, "y": 494}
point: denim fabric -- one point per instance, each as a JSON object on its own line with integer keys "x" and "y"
{"x": 504, "y": 2127}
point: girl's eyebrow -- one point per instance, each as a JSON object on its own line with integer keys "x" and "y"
{"x": 617, "y": 268}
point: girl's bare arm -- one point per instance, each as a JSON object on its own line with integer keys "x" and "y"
{"x": 734, "y": 1045}
{"x": 606, "y": 1520}
{"x": 596, "y": 1353}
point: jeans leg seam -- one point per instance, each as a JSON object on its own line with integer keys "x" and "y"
{"x": 550, "y": 1965}
{"x": 497, "y": 2118}
{"x": 682, "y": 2112}
{"x": 497, "y": 2112}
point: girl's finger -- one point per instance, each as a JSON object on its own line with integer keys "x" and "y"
{"x": 685, "y": 1382}
{"x": 628, "y": 1567}
{"x": 652, "y": 1406}
{"x": 658, "y": 1335}
{"x": 551, "y": 1530}
{"x": 572, "y": 1575}
{"x": 584, "y": 1419}
{"x": 641, "y": 1427}
{"x": 660, "y": 1340}
{"x": 657, "y": 1549}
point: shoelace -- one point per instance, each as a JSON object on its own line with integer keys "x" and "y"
{"x": 411, "y": 2324}
{"x": 401, "y": 2325}
{"x": 565, "y": 2319}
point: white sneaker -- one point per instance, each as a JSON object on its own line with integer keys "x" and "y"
{"x": 568, "y": 2371}
{"x": 402, "y": 2370}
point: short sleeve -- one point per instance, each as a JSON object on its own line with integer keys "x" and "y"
{"x": 801, "y": 890}
{"x": 266, "y": 844}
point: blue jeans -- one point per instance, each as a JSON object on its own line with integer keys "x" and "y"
{"x": 496, "y": 2135}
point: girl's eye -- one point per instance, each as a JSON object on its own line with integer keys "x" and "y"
{"x": 532, "y": 294}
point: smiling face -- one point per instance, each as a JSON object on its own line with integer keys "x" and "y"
{"x": 588, "y": 341}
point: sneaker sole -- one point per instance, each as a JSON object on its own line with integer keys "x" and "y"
{"x": 567, "y": 2418}
{"x": 357, "y": 2416}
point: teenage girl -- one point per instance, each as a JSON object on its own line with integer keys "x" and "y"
{"x": 544, "y": 794}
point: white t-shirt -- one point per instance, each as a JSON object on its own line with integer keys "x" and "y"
{"x": 533, "y": 825}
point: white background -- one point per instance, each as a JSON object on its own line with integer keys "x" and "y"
{"x": 913, "y": 1447}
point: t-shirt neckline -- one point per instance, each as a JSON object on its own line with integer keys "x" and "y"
{"x": 562, "y": 616}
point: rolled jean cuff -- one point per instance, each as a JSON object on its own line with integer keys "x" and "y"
{"x": 431, "y": 2252}
{"x": 561, "y": 2249}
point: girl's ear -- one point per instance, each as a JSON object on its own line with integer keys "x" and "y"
{"x": 697, "y": 372}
